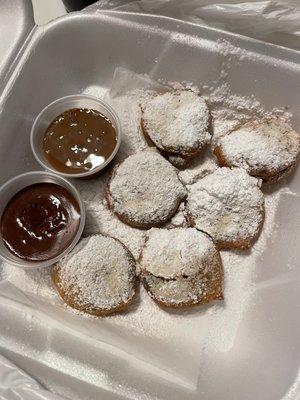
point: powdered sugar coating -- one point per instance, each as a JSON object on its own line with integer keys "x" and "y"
{"x": 176, "y": 252}
{"x": 228, "y": 205}
{"x": 144, "y": 190}
{"x": 178, "y": 220}
{"x": 177, "y": 122}
{"x": 98, "y": 276}
{"x": 178, "y": 161}
{"x": 193, "y": 273}
{"x": 185, "y": 291}
{"x": 264, "y": 149}
{"x": 198, "y": 168}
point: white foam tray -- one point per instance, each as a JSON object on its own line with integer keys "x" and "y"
{"x": 86, "y": 359}
{"x": 16, "y": 22}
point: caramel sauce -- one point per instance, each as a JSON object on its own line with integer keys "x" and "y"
{"x": 79, "y": 140}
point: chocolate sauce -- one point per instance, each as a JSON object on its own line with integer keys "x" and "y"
{"x": 40, "y": 222}
{"x": 79, "y": 140}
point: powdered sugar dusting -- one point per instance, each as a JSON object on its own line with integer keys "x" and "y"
{"x": 261, "y": 147}
{"x": 129, "y": 112}
{"x": 99, "y": 273}
{"x": 177, "y": 121}
{"x": 228, "y": 205}
{"x": 145, "y": 189}
{"x": 178, "y": 291}
{"x": 35, "y": 281}
{"x": 178, "y": 161}
{"x": 99, "y": 219}
{"x": 224, "y": 122}
{"x": 198, "y": 286}
{"x": 239, "y": 288}
{"x": 179, "y": 219}
{"x": 227, "y": 108}
{"x": 176, "y": 252}
{"x": 198, "y": 168}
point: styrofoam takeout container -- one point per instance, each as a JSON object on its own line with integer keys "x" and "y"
{"x": 16, "y": 22}
{"x": 53, "y": 110}
{"x": 88, "y": 359}
{"x": 12, "y": 187}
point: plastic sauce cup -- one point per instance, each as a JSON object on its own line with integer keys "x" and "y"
{"x": 53, "y": 110}
{"x": 15, "y": 185}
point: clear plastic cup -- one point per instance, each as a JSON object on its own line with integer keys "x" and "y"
{"x": 53, "y": 110}
{"x": 12, "y": 187}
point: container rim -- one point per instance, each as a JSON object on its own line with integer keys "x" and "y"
{"x": 91, "y": 172}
